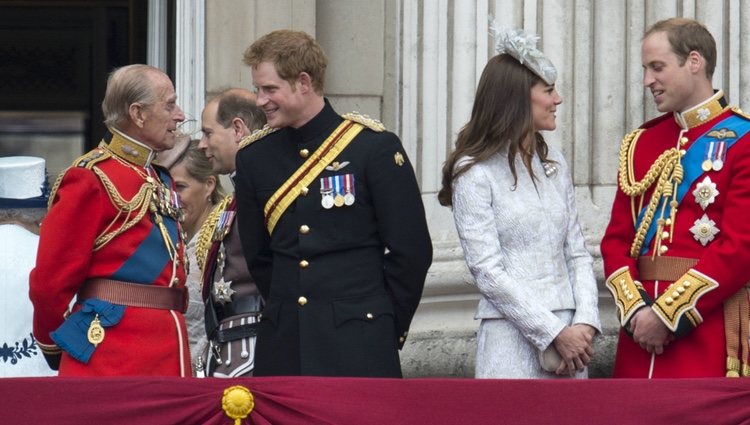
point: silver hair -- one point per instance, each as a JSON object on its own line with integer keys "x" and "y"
{"x": 125, "y": 86}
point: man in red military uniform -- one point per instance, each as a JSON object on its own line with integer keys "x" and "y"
{"x": 111, "y": 242}
{"x": 678, "y": 242}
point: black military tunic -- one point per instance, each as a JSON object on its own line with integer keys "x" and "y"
{"x": 341, "y": 283}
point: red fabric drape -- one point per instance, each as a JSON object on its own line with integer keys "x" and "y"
{"x": 311, "y": 400}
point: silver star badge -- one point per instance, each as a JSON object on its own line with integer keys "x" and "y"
{"x": 223, "y": 291}
{"x": 705, "y": 192}
{"x": 704, "y": 230}
{"x": 703, "y": 114}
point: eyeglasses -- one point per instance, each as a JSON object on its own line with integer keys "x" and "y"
{"x": 190, "y": 128}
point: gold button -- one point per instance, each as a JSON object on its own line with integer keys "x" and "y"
{"x": 301, "y": 301}
{"x": 304, "y": 191}
{"x": 669, "y": 301}
{"x": 664, "y": 235}
{"x": 686, "y": 283}
{"x": 663, "y": 249}
{"x": 304, "y": 153}
{"x": 629, "y": 297}
{"x": 303, "y": 263}
{"x": 675, "y": 294}
{"x": 682, "y": 152}
{"x": 622, "y": 281}
{"x": 304, "y": 229}
{"x": 683, "y": 140}
{"x": 680, "y": 289}
{"x": 668, "y": 222}
{"x": 370, "y": 316}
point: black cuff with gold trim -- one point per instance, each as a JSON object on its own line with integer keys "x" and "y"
{"x": 676, "y": 307}
{"x": 52, "y": 354}
{"x": 629, "y": 294}
{"x": 402, "y": 339}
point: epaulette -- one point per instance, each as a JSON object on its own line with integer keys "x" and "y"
{"x": 256, "y": 135}
{"x": 87, "y": 160}
{"x": 365, "y": 120}
{"x": 91, "y": 158}
{"x": 740, "y": 112}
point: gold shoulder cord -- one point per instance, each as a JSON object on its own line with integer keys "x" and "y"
{"x": 139, "y": 204}
{"x": 666, "y": 172}
{"x": 55, "y": 186}
{"x": 206, "y": 231}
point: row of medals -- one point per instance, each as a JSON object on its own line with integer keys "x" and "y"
{"x": 716, "y": 152}
{"x": 337, "y": 191}
{"x": 164, "y": 202}
{"x": 329, "y": 200}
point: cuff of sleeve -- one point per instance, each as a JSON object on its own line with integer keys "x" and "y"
{"x": 629, "y": 294}
{"x": 402, "y": 339}
{"x": 676, "y": 307}
{"x": 51, "y": 349}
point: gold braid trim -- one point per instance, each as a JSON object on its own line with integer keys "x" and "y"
{"x": 206, "y": 231}
{"x": 681, "y": 298}
{"x": 140, "y": 204}
{"x": 666, "y": 172}
{"x": 55, "y": 186}
{"x": 256, "y": 135}
{"x": 365, "y": 120}
{"x": 626, "y": 293}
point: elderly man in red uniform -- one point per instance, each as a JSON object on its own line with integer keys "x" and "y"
{"x": 111, "y": 243}
{"x": 678, "y": 243}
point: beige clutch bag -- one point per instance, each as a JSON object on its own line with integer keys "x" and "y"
{"x": 550, "y": 359}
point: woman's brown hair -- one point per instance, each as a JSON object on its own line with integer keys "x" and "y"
{"x": 501, "y": 117}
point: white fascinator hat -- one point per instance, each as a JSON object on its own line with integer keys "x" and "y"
{"x": 523, "y": 48}
{"x": 23, "y": 182}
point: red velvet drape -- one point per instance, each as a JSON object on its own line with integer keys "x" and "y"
{"x": 310, "y": 400}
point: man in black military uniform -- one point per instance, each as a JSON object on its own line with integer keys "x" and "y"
{"x": 331, "y": 222}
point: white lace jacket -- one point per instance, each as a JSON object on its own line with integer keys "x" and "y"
{"x": 524, "y": 245}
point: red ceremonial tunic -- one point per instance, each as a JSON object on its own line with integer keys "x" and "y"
{"x": 147, "y": 341}
{"x": 699, "y": 351}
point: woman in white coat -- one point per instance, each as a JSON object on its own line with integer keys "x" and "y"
{"x": 514, "y": 208}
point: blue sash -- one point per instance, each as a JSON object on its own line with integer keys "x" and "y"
{"x": 691, "y": 164}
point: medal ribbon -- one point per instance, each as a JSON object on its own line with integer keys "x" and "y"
{"x": 337, "y": 185}
{"x": 349, "y": 183}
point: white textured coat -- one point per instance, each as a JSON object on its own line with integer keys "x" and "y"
{"x": 524, "y": 246}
